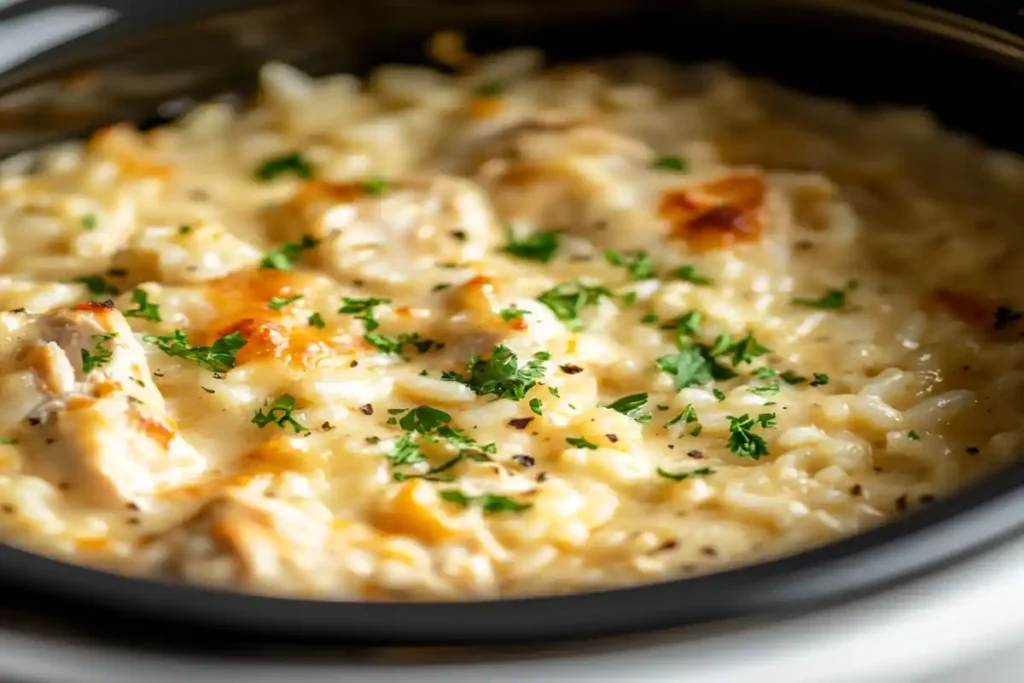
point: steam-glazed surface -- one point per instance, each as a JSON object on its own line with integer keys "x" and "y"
{"x": 510, "y": 331}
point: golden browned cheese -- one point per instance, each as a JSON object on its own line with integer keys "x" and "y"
{"x": 499, "y": 332}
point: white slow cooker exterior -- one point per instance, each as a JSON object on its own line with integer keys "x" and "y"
{"x": 962, "y": 624}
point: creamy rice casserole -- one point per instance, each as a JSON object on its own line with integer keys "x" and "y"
{"x": 500, "y": 330}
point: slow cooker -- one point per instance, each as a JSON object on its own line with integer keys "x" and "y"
{"x": 927, "y": 598}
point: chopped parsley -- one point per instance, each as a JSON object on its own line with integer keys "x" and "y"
{"x": 144, "y": 309}
{"x": 790, "y": 377}
{"x": 375, "y": 186}
{"x": 649, "y": 318}
{"x": 688, "y": 326}
{"x": 284, "y": 258}
{"x": 280, "y": 413}
{"x": 747, "y": 349}
{"x": 394, "y": 345}
{"x": 580, "y": 442}
{"x": 694, "y": 365}
{"x": 510, "y": 314}
{"x": 100, "y": 356}
{"x": 184, "y": 229}
{"x": 316, "y": 320}
{"x": 488, "y": 502}
{"x": 501, "y": 374}
{"x": 672, "y": 162}
{"x": 820, "y": 380}
{"x": 294, "y": 163}
{"x": 432, "y": 425}
{"x": 688, "y": 416}
{"x": 89, "y": 222}
{"x": 689, "y": 274}
{"x": 218, "y": 357}
{"x": 489, "y": 89}
{"x": 742, "y": 439}
{"x": 718, "y": 394}
{"x": 276, "y": 303}
{"x": 833, "y": 299}
{"x": 632, "y": 406}
{"x": 536, "y": 406}
{"x": 568, "y": 299}
{"x": 679, "y": 476}
{"x": 363, "y": 308}
{"x": 97, "y": 285}
{"x": 914, "y": 436}
{"x": 537, "y": 246}
{"x": 8, "y": 442}
{"x": 639, "y": 266}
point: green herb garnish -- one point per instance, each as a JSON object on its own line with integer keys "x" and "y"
{"x": 672, "y": 162}
{"x": 97, "y": 285}
{"x": 689, "y": 274}
{"x": 284, "y": 259}
{"x": 536, "y": 406}
{"x": 820, "y": 380}
{"x": 316, "y": 320}
{"x": 363, "y": 308}
{"x": 693, "y": 366}
{"x": 568, "y": 299}
{"x": 375, "y": 186}
{"x": 510, "y": 314}
{"x": 218, "y": 357}
{"x": 632, "y": 407}
{"x": 490, "y": 503}
{"x": 276, "y": 303}
{"x": 100, "y": 356}
{"x": 89, "y": 222}
{"x": 639, "y": 266}
{"x": 679, "y": 476}
{"x": 742, "y": 439}
{"x": 280, "y": 413}
{"x": 144, "y": 309}
{"x": 538, "y": 246}
{"x": 580, "y": 442}
{"x": 833, "y": 299}
{"x": 500, "y": 374}
{"x": 294, "y": 163}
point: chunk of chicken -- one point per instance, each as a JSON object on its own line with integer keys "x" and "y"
{"x": 98, "y": 423}
{"x": 396, "y": 236}
{"x": 580, "y": 178}
{"x": 175, "y": 255}
{"x": 243, "y": 538}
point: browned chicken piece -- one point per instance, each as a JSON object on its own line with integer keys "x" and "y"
{"x": 98, "y": 426}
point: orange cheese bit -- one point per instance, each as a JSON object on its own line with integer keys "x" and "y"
{"x": 267, "y": 340}
{"x": 716, "y": 214}
{"x": 92, "y": 544}
{"x": 415, "y": 511}
{"x": 156, "y": 429}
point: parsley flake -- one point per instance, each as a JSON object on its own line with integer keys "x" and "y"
{"x": 489, "y": 503}
{"x": 537, "y": 246}
{"x": 218, "y": 357}
{"x": 536, "y": 406}
{"x": 833, "y": 299}
{"x": 97, "y": 285}
{"x": 680, "y": 476}
{"x": 694, "y": 365}
{"x": 639, "y": 266}
{"x": 580, "y": 442}
{"x": 8, "y": 442}
{"x": 293, "y": 163}
{"x": 280, "y": 413}
{"x": 672, "y": 162}
{"x": 89, "y": 222}
{"x": 742, "y": 439}
{"x": 914, "y": 436}
{"x": 100, "y": 356}
{"x": 568, "y": 299}
{"x": 510, "y": 314}
{"x": 375, "y": 186}
{"x": 689, "y": 274}
{"x": 820, "y": 380}
{"x": 363, "y": 308}
{"x": 144, "y": 309}
{"x": 284, "y": 259}
{"x": 276, "y": 303}
{"x": 316, "y": 320}
{"x": 632, "y": 407}
{"x": 500, "y": 374}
